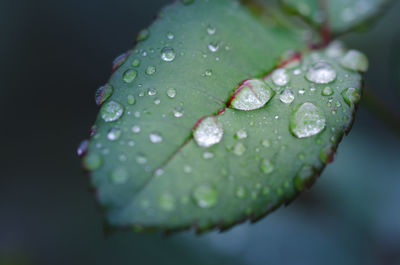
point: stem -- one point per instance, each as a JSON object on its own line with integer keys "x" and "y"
{"x": 383, "y": 112}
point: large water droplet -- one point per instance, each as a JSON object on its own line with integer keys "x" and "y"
{"x": 167, "y": 54}
{"x": 129, "y": 75}
{"x": 355, "y": 60}
{"x": 351, "y": 96}
{"x": 166, "y": 202}
{"x": 267, "y": 167}
{"x": 321, "y": 73}
{"x": 252, "y": 94}
{"x": 287, "y": 96}
{"x": 111, "y": 111}
{"x": 103, "y": 93}
{"x": 208, "y": 132}
{"x": 307, "y": 120}
{"x": 155, "y": 137}
{"x": 114, "y": 134}
{"x": 280, "y": 77}
{"x": 171, "y": 92}
{"x": 205, "y": 196}
{"x": 119, "y": 175}
{"x": 92, "y": 161}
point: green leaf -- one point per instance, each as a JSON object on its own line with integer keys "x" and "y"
{"x": 166, "y": 152}
{"x": 339, "y": 15}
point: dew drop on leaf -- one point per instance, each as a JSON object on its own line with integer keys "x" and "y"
{"x": 303, "y": 177}
{"x": 252, "y": 94}
{"x": 241, "y": 134}
{"x": 205, "y": 196}
{"x": 178, "y": 112}
{"x": 211, "y": 29}
{"x": 150, "y": 70}
{"x": 135, "y": 129}
{"x": 92, "y": 161}
{"x": 155, "y": 137}
{"x": 111, "y": 111}
{"x": 171, "y": 92}
{"x": 267, "y": 167}
{"x": 307, "y": 120}
{"x": 131, "y": 99}
{"x": 321, "y": 73}
{"x": 103, "y": 93}
{"x": 167, "y": 54}
{"x": 327, "y": 91}
{"x": 135, "y": 62}
{"x": 280, "y": 77}
{"x": 143, "y": 34}
{"x": 239, "y": 149}
{"x": 287, "y": 96}
{"x": 114, "y": 134}
{"x": 208, "y": 155}
{"x": 355, "y": 60}
{"x": 213, "y": 46}
{"x": 82, "y": 148}
{"x": 129, "y": 75}
{"x": 351, "y": 96}
{"x": 208, "y": 132}
{"x": 152, "y": 92}
{"x": 240, "y": 192}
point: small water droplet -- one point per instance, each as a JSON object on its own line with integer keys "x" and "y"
{"x": 119, "y": 176}
{"x": 240, "y": 192}
{"x": 351, "y": 96}
{"x": 335, "y": 49}
{"x": 307, "y": 120}
{"x": 208, "y": 155}
{"x": 167, "y": 202}
{"x": 167, "y": 54}
{"x": 287, "y": 96}
{"x": 280, "y": 77}
{"x": 178, "y": 112}
{"x": 171, "y": 92}
{"x": 135, "y": 129}
{"x": 92, "y": 161}
{"x": 211, "y": 29}
{"x": 129, "y": 75}
{"x": 241, "y": 134}
{"x": 205, "y": 196}
{"x": 82, "y": 148}
{"x": 143, "y": 34}
{"x": 141, "y": 159}
{"x": 103, "y": 93}
{"x": 208, "y": 72}
{"x": 150, "y": 70}
{"x": 114, "y": 134}
{"x": 252, "y": 94}
{"x": 327, "y": 91}
{"x": 355, "y": 60}
{"x": 111, "y": 111}
{"x": 239, "y": 149}
{"x": 155, "y": 137}
{"x": 321, "y": 73}
{"x": 187, "y": 169}
{"x": 303, "y": 177}
{"x": 170, "y": 35}
{"x": 152, "y": 92}
{"x": 135, "y": 62}
{"x": 157, "y": 101}
{"x": 267, "y": 167}
{"x": 213, "y": 46}
{"x": 266, "y": 143}
{"x": 208, "y": 132}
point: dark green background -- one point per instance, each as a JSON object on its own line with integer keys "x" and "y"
{"x": 54, "y": 54}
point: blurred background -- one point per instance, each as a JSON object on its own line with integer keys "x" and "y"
{"x": 54, "y": 55}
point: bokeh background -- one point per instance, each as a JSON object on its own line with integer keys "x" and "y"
{"x": 53, "y": 56}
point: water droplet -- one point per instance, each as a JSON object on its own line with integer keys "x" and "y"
{"x": 171, "y": 92}
{"x": 129, "y": 75}
{"x": 167, "y": 54}
{"x": 303, "y": 177}
{"x": 208, "y": 72}
{"x": 111, "y": 111}
{"x": 355, "y": 60}
{"x": 241, "y": 134}
{"x": 187, "y": 169}
{"x": 321, "y": 73}
{"x": 166, "y": 202}
{"x": 170, "y": 35}
{"x": 266, "y": 143}
{"x": 135, "y": 62}
{"x": 307, "y": 120}
{"x": 131, "y": 99}
{"x": 152, "y": 92}
{"x": 240, "y": 192}
{"x": 155, "y": 137}
{"x": 287, "y": 96}
{"x": 92, "y": 161}
{"x": 327, "y": 91}
{"x": 211, "y": 29}
{"x": 252, "y": 94}
{"x": 213, "y": 46}
{"x": 239, "y": 149}
{"x": 150, "y": 70}
{"x": 267, "y": 167}
{"x": 143, "y": 34}
{"x": 280, "y": 77}
{"x": 82, "y": 148}
{"x": 351, "y": 96}
{"x": 119, "y": 176}
{"x": 157, "y": 101}
{"x": 120, "y": 60}
{"x": 114, "y": 133}
{"x": 103, "y": 93}
{"x": 135, "y": 129}
{"x": 326, "y": 154}
{"x": 141, "y": 159}
{"x": 335, "y": 49}
{"x": 208, "y": 132}
{"x": 205, "y": 196}
{"x": 208, "y": 155}
{"x": 178, "y": 112}
{"x": 158, "y": 172}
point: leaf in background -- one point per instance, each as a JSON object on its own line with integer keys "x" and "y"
{"x": 340, "y": 15}
{"x": 165, "y": 150}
